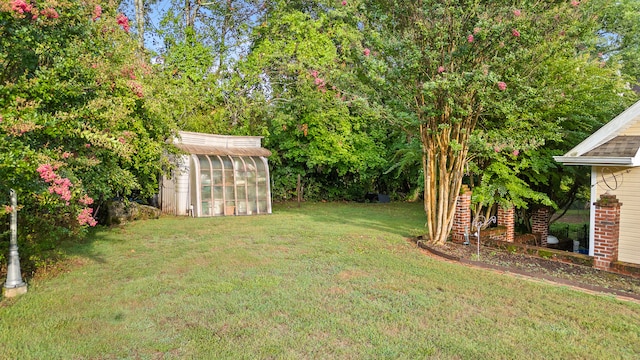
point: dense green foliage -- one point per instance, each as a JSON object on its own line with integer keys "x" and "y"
{"x": 75, "y": 131}
{"x": 339, "y": 89}
{"x": 318, "y": 127}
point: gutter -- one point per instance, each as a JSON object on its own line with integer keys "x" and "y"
{"x": 595, "y": 161}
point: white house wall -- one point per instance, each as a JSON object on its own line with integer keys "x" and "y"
{"x": 624, "y": 183}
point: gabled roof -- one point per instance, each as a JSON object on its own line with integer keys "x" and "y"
{"x": 209, "y": 144}
{"x": 609, "y": 145}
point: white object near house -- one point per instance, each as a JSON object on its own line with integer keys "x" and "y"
{"x": 218, "y": 175}
{"x": 613, "y": 154}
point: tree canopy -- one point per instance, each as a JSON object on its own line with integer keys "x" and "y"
{"x": 354, "y": 96}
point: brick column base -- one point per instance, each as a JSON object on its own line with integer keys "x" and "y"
{"x": 462, "y": 217}
{"x": 507, "y": 218}
{"x": 606, "y": 231}
{"x": 540, "y": 224}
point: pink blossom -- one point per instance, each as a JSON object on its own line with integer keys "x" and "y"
{"x": 122, "y": 140}
{"x": 366, "y": 52}
{"x": 496, "y": 149}
{"x": 59, "y": 186}
{"x": 476, "y": 30}
{"x": 136, "y": 88}
{"x": 319, "y": 81}
{"x": 123, "y": 21}
{"x": 344, "y": 2}
{"x": 85, "y": 200}
{"x": 515, "y": 32}
{"x": 20, "y": 6}
{"x": 502, "y": 85}
{"x": 575, "y": 3}
{"x": 47, "y": 172}
{"x": 50, "y": 13}
{"x": 314, "y": 73}
{"x": 97, "y": 12}
{"x": 441, "y": 69}
{"x": 470, "y": 38}
{"x": 85, "y": 218}
{"x": 8, "y": 209}
{"x": 517, "y": 12}
{"x": 516, "y": 152}
{"x": 87, "y": 145}
{"x": 66, "y": 155}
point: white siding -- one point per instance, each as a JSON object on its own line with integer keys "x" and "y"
{"x": 182, "y": 186}
{"x": 624, "y": 183}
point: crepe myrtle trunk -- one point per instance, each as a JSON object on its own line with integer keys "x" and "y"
{"x": 444, "y": 155}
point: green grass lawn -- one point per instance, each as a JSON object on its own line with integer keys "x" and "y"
{"x": 322, "y": 281}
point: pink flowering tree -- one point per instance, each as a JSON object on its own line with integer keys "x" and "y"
{"x": 472, "y": 80}
{"x": 74, "y": 129}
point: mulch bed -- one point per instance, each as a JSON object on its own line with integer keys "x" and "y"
{"x": 578, "y": 276}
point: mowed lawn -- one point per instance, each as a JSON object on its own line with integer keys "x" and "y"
{"x": 325, "y": 281}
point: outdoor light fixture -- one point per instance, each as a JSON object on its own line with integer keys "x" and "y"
{"x": 14, "y": 285}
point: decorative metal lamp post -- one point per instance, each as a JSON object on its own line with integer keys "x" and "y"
{"x": 479, "y": 223}
{"x": 14, "y": 285}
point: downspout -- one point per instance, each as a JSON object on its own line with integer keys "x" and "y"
{"x": 592, "y": 211}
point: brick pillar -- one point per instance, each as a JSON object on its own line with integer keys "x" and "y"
{"x": 540, "y": 224}
{"x": 462, "y": 217}
{"x": 606, "y": 231}
{"x": 507, "y": 218}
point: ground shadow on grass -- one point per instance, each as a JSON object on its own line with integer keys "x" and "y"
{"x": 404, "y": 219}
{"x": 38, "y": 261}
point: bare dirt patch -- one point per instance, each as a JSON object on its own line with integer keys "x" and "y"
{"x": 564, "y": 273}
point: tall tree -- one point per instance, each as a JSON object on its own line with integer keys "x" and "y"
{"x": 141, "y": 15}
{"x": 318, "y": 128}
{"x": 451, "y": 67}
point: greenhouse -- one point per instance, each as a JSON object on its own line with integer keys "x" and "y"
{"x": 219, "y": 175}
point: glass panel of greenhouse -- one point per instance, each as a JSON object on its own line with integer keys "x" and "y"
{"x": 229, "y": 185}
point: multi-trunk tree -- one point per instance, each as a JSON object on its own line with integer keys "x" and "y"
{"x": 458, "y": 73}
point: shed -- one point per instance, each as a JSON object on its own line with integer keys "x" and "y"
{"x": 613, "y": 155}
{"x": 217, "y": 175}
